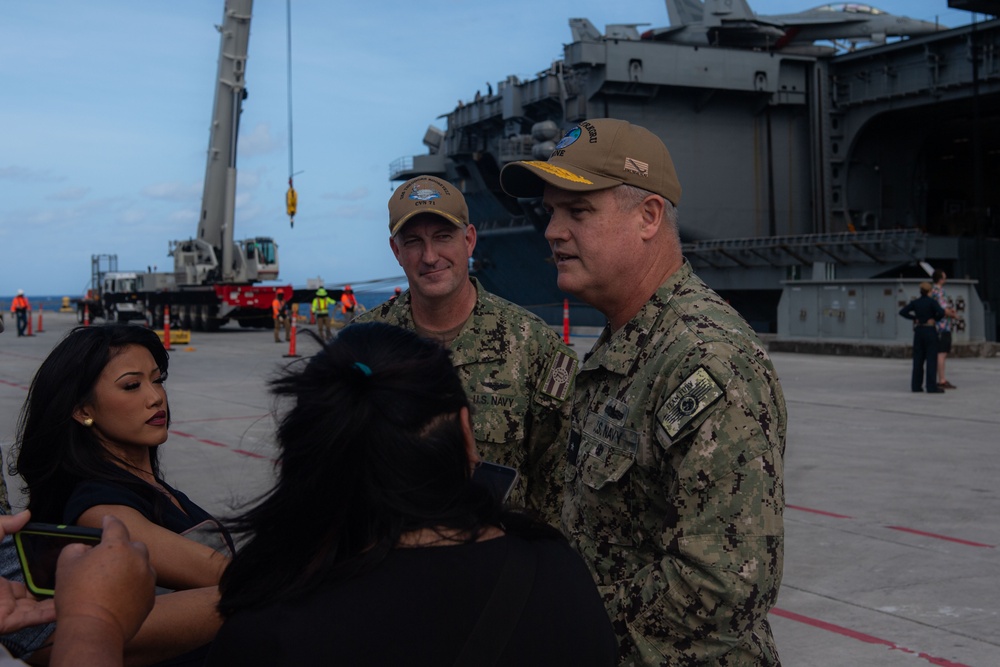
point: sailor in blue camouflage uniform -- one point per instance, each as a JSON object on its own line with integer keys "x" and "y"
{"x": 517, "y": 372}
{"x": 675, "y": 489}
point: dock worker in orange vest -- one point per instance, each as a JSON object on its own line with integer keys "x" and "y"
{"x": 348, "y": 304}
{"x": 280, "y": 314}
{"x": 21, "y": 309}
{"x": 321, "y": 309}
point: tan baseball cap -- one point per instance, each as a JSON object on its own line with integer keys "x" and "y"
{"x": 595, "y": 155}
{"x": 426, "y": 194}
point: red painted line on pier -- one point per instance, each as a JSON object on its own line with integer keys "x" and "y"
{"x": 862, "y": 637}
{"x": 808, "y": 509}
{"x": 194, "y": 437}
{"x": 936, "y": 536}
{"x": 250, "y": 454}
{"x": 914, "y": 531}
{"x": 14, "y": 384}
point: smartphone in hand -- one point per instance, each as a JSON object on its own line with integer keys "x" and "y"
{"x": 500, "y": 479}
{"x": 38, "y": 548}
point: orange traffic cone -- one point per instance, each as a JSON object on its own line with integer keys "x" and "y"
{"x": 166, "y": 327}
{"x": 291, "y": 339}
{"x": 41, "y": 329}
{"x": 566, "y": 321}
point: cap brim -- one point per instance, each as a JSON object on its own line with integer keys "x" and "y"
{"x": 528, "y": 179}
{"x": 397, "y": 225}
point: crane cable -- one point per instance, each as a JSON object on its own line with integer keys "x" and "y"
{"x": 291, "y": 197}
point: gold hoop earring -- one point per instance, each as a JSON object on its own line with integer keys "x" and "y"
{"x": 88, "y": 422}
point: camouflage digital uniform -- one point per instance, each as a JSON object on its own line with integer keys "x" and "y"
{"x": 675, "y": 485}
{"x": 518, "y": 375}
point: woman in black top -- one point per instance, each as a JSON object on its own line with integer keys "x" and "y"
{"x": 376, "y": 546}
{"x": 87, "y": 446}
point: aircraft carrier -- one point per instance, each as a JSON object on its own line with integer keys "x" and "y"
{"x": 795, "y": 164}
{"x": 892, "y": 534}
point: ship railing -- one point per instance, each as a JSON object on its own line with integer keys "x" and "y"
{"x": 879, "y": 247}
{"x": 516, "y": 148}
{"x": 399, "y": 166}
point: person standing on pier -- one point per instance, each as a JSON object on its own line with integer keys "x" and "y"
{"x": 279, "y": 313}
{"x": 943, "y": 327}
{"x": 348, "y": 304}
{"x": 925, "y": 313}
{"x": 321, "y": 309}
{"x": 517, "y": 372}
{"x": 21, "y": 309}
{"x": 675, "y": 491}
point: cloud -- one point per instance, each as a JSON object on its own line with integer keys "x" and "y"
{"x": 173, "y": 191}
{"x": 258, "y": 141}
{"x": 69, "y": 194}
{"x": 132, "y": 216}
{"x": 25, "y": 175}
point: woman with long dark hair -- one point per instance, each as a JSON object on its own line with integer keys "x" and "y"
{"x": 376, "y": 545}
{"x": 87, "y": 446}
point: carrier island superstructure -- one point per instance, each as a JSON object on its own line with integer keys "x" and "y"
{"x": 794, "y": 166}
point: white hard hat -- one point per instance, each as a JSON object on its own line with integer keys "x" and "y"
{"x": 20, "y": 292}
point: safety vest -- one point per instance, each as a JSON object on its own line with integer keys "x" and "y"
{"x": 276, "y": 308}
{"x": 321, "y": 305}
{"x": 19, "y": 303}
{"x": 347, "y": 302}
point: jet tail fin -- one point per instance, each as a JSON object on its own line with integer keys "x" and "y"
{"x": 685, "y": 12}
{"x": 584, "y": 31}
{"x": 717, "y": 11}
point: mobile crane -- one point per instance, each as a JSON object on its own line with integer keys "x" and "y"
{"x": 214, "y": 276}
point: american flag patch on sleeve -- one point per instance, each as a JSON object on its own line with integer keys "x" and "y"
{"x": 560, "y": 376}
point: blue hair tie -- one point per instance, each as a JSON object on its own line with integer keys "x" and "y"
{"x": 363, "y": 368}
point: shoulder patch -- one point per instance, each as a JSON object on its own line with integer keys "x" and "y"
{"x": 696, "y": 392}
{"x": 560, "y": 377}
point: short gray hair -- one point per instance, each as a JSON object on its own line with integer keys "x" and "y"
{"x": 629, "y": 197}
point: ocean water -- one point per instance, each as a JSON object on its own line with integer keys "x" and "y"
{"x": 37, "y": 302}
{"x": 50, "y": 302}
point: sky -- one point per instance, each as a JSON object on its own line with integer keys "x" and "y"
{"x": 105, "y": 109}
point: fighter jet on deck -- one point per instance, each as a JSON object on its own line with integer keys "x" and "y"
{"x": 732, "y": 23}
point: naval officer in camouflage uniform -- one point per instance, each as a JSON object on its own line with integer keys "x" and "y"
{"x": 517, "y": 372}
{"x": 674, "y": 490}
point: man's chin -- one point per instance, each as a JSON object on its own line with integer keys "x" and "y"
{"x": 567, "y": 284}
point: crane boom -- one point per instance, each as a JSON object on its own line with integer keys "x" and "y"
{"x": 213, "y": 277}
{"x": 212, "y": 256}
{"x": 219, "y": 195}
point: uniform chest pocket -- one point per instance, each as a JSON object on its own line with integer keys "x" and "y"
{"x": 498, "y": 418}
{"x": 607, "y": 451}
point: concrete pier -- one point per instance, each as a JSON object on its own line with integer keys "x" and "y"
{"x": 893, "y": 518}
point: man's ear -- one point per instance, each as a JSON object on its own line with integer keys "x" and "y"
{"x": 470, "y": 238}
{"x": 651, "y": 209}
{"x": 395, "y": 249}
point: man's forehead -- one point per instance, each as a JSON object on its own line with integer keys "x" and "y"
{"x": 554, "y": 195}
{"x": 424, "y": 223}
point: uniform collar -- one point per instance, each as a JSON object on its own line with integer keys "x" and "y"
{"x": 618, "y": 352}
